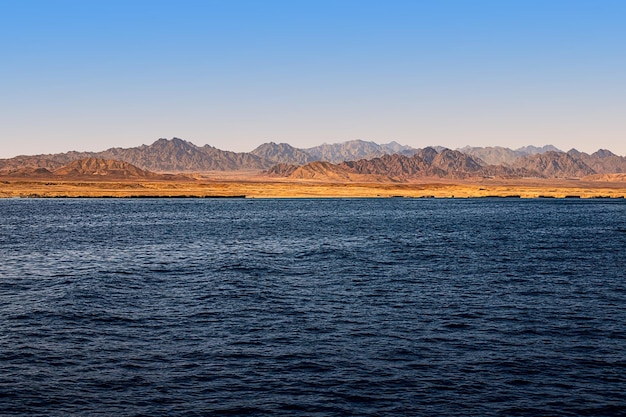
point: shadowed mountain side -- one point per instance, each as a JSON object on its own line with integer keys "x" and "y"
{"x": 554, "y": 165}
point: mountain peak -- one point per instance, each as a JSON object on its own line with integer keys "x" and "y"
{"x": 282, "y": 153}
{"x": 603, "y": 153}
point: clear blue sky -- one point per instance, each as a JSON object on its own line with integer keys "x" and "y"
{"x": 93, "y": 74}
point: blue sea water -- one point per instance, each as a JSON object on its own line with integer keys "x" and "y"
{"x": 192, "y": 307}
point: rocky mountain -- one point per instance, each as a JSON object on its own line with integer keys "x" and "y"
{"x": 323, "y": 170}
{"x": 602, "y": 161}
{"x": 497, "y": 155}
{"x": 101, "y": 167}
{"x": 162, "y": 155}
{"x": 175, "y": 155}
{"x": 354, "y": 150}
{"x": 26, "y": 162}
{"x": 219, "y": 160}
{"x": 425, "y": 163}
{"x": 90, "y": 168}
{"x": 554, "y": 165}
{"x": 396, "y": 167}
{"x": 454, "y": 164}
{"x": 392, "y": 160}
{"x": 282, "y": 153}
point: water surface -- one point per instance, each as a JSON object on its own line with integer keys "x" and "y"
{"x": 312, "y": 307}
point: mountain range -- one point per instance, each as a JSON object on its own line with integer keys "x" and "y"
{"x": 347, "y": 160}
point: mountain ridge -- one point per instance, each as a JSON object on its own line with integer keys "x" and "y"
{"x": 358, "y": 157}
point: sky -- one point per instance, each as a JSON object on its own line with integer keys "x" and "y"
{"x": 91, "y": 75}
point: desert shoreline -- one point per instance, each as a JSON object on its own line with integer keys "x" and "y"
{"x": 260, "y": 187}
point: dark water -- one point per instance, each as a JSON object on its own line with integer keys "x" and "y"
{"x": 312, "y": 307}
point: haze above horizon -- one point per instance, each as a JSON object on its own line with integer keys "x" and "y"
{"x": 89, "y": 76}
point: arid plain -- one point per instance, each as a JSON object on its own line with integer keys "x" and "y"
{"x": 258, "y": 185}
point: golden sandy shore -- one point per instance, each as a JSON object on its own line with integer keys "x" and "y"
{"x": 266, "y": 187}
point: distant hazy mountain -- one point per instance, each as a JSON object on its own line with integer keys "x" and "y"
{"x": 497, "y": 155}
{"x": 534, "y": 150}
{"x": 354, "y": 150}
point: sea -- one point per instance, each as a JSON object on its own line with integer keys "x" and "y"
{"x": 313, "y": 307}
